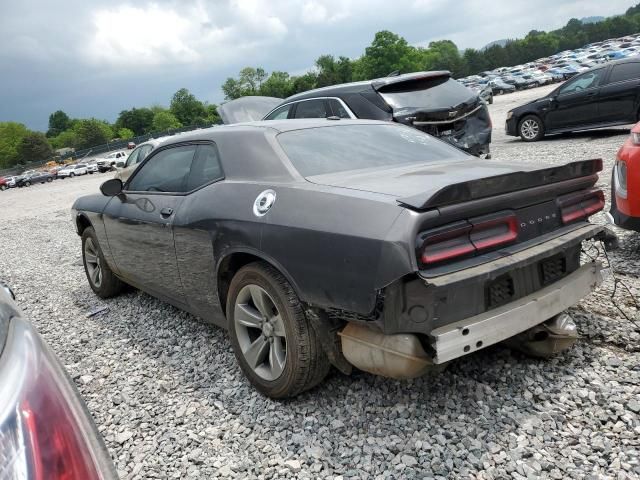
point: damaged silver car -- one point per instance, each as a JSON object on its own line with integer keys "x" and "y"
{"x": 429, "y": 101}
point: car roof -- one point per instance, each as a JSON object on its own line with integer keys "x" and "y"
{"x": 274, "y": 126}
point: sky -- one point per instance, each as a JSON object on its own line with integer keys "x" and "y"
{"x": 94, "y": 58}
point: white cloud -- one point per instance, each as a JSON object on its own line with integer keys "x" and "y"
{"x": 197, "y": 34}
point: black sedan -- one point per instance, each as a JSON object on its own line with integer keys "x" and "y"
{"x": 604, "y": 96}
{"x": 346, "y": 242}
{"x": 26, "y": 180}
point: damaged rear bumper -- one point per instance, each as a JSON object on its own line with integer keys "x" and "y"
{"x": 466, "y": 336}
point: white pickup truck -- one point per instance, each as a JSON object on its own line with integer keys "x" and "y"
{"x": 109, "y": 161}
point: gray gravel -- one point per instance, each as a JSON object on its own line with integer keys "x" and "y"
{"x": 171, "y": 402}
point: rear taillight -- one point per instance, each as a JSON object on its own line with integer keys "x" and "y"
{"x": 466, "y": 238}
{"x": 45, "y": 430}
{"x": 581, "y": 205}
{"x": 635, "y": 138}
{"x": 621, "y": 178}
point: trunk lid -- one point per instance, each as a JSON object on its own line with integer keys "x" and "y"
{"x": 422, "y": 187}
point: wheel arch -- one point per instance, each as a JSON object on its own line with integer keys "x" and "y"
{"x": 231, "y": 261}
{"x": 82, "y": 223}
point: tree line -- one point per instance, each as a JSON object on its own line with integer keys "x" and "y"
{"x": 19, "y": 145}
{"x": 390, "y": 52}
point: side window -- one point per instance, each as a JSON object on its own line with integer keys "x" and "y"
{"x": 582, "y": 82}
{"x": 279, "y": 114}
{"x": 132, "y": 160}
{"x": 312, "y": 109}
{"x": 206, "y": 167}
{"x": 625, "y": 71}
{"x": 167, "y": 171}
{"x": 338, "y": 109}
{"x": 144, "y": 151}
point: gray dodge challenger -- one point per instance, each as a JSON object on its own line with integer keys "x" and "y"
{"x": 351, "y": 243}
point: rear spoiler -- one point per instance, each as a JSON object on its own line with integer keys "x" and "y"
{"x": 500, "y": 184}
{"x": 380, "y": 83}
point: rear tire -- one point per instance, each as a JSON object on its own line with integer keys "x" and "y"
{"x": 71, "y": 175}
{"x": 530, "y": 128}
{"x": 50, "y": 179}
{"x": 101, "y": 279}
{"x": 278, "y": 351}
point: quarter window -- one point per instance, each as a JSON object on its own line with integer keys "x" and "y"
{"x": 625, "y": 71}
{"x": 338, "y": 109}
{"x": 167, "y": 171}
{"x": 279, "y": 113}
{"x": 206, "y": 167}
{"x": 311, "y": 109}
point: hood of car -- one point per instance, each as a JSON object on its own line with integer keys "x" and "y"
{"x": 247, "y": 109}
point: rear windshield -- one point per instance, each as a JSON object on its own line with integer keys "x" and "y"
{"x": 317, "y": 151}
{"x": 439, "y": 92}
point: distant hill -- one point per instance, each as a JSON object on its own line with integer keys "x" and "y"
{"x": 591, "y": 19}
{"x": 502, "y": 43}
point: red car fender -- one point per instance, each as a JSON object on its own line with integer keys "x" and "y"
{"x": 629, "y": 154}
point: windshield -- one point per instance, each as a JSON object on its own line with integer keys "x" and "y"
{"x": 439, "y": 92}
{"x": 318, "y": 151}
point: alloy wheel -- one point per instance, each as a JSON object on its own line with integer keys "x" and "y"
{"x": 260, "y": 331}
{"x": 529, "y": 129}
{"x": 92, "y": 261}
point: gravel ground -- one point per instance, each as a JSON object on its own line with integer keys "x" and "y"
{"x": 171, "y": 402}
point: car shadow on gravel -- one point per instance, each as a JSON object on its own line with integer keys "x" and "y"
{"x": 587, "y": 135}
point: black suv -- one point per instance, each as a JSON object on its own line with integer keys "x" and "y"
{"x": 429, "y": 101}
{"x": 604, "y": 96}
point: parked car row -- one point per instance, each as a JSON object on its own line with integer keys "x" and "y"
{"x": 555, "y": 68}
{"x": 31, "y": 177}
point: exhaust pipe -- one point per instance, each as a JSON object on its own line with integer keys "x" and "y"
{"x": 395, "y": 356}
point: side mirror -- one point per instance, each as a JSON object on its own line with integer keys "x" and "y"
{"x": 112, "y": 187}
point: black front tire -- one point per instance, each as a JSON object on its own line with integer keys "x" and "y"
{"x": 109, "y": 284}
{"x": 306, "y": 363}
{"x": 71, "y": 175}
{"x": 531, "y": 128}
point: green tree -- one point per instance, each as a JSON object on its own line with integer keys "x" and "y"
{"x": 11, "y": 134}
{"x": 67, "y": 139}
{"x": 34, "y": 147}
{"x": 125, "y": 133}
{"x": 332, "y": 71}
{"x": 388, "y": 53}
{"x": 187, "y": 108}
{"x": 212, "y": 114}
{"x": 92, "y": 132}
{"x": 278, "y": 84}
{"x": 58, "y": 123}
{"x": 443, "y": 55}
{"x": 165, "y": 121}
{"x": 248, "y": 82}
{"x": 138, "y": 120}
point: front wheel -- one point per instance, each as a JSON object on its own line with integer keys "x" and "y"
{"x": 101, "y": 279}
{"x": 50, "y": 179}
{"x": 276, "y": 346}
{"x": 72, "y": 175}
{"x": 3, "y": 187}
{"x": 27, "y": 184}
{"x": 531, "y": 128}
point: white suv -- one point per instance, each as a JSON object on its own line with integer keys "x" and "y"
{"x": 73, "y": 170}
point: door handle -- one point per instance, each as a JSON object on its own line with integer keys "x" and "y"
{"x": 166, "y": 212}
